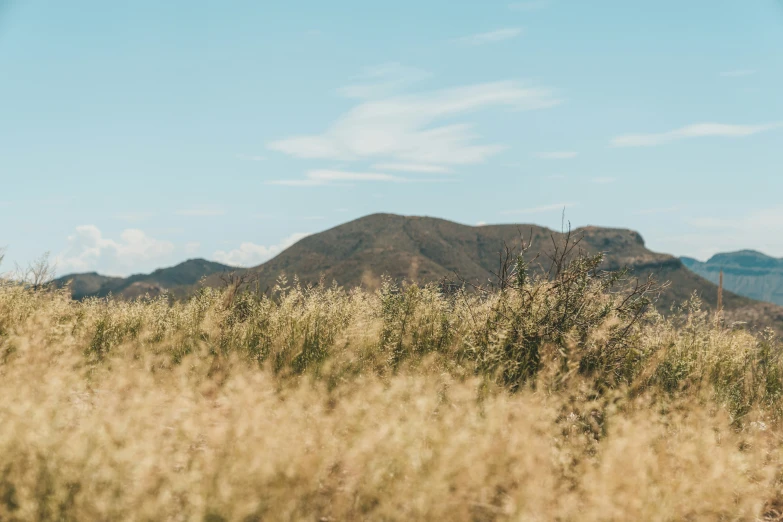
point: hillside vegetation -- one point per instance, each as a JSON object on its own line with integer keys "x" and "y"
{"x": 176, "y": 281}
{"x": 559, "y": 397}
{"x": 428, "y": 250}
{"x": 746, "y": 272}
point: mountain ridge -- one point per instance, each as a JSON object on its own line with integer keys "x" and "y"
{"x": 179, "y": 280}
{"x": 745, "y": 272}
{"x": 427, "y": 249}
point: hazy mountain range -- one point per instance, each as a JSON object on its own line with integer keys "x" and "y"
{"x": 746, "y": 272}
{"x": 179, "y": 281}
{"x": 425, "y": 249}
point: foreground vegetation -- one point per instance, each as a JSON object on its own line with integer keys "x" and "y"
{"x": 564, "y": 397}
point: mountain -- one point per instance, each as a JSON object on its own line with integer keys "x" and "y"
{"x": 87, "y": 284}
{"x": 427, "y": 249}
{"x": 178, "y": 280}
{"x": 745, "y": 272}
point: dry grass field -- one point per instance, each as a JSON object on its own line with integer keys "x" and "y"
{"x": 567, "y": 398}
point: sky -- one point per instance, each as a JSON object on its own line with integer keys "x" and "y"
{"x": 135, "y": 135}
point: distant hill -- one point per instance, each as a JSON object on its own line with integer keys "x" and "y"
{"x": 428, "y": 249}
{"x": 745, "y": 272}
{"x": 425, "y": 249}
{"x": 177, "y": 280}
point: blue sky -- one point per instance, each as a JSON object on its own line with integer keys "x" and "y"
{"x": 135, "y": 135}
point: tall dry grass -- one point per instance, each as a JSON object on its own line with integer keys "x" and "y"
{"x": 546, "y": 400}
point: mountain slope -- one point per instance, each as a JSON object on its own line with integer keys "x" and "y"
{"x": 178, "y": 280}
{"x": 745, "y": 272}
{"x": 83, "y": 285}
{"x": 425, "y": 249}
{"x": 428, "y": 249}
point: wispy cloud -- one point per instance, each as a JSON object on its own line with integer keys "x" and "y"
{"x": 412, "y": 167}
{"x": 205, "y": 211}
{"x": 383, "y": 80}
{"x": 558, "y": 155}
{"x": 88, "y": 249}
{"x": 738, "y": 73}
{"x": 699, "y": 130}
{"x": 532, "y": 5}
{"x": 248, "y": 157}
{"x": 251, "y": 254}
{"x": 400, "y": 129}
{"x": 326, "y": 177}
{"x": 539, "y": 210}
{"x": 497, "y": 35}
{"x": 761, "y": 229}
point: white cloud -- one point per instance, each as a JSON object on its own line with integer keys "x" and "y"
{"x": 760, "y": 229}
{"x": 89, "y": 250}
{"x": 326, "y": 177}
{"x": 481, "y": 223}
{"x": 539, "y": 210}
{"x": 203, "y": 211}
{"x": 603, "y": 180}
{"x": 399, "y": 129}
{"x": 699, "y": 130}
{"x": 412, "y": 167}
{"x": 491, "y": 37}
{"x": 532, "y": 5}
{"x": 250, "y": 254}
{"x": 559, "y": 155}
{"x": 737, "y": 73}
{"x": 383, "y": 80}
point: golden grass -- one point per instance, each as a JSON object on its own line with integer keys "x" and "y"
{"x": 327, "y": 405}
